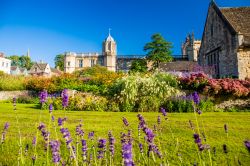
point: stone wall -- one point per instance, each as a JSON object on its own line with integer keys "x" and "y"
{"x": 5, "y": 95}
{"x": 244, "y": 63}
{"x": 219, "y": 41}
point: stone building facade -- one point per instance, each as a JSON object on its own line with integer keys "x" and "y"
{"x": 190, "y": 48}
{"x": 76, "y": 61}
{"x": 226, "y": 42}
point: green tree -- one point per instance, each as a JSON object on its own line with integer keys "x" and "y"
{"x": 25, "y": 62}
{"x": 158, "y": 50}
{"x": 21, "y": 61}
{"x": 59, "y": 61}
{"x": 139, "y": 65}
{"x": 14, "y": 60}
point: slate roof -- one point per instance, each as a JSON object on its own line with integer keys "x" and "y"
{"x": 178, "y": 66}
{"x": 42, "y": 66}
{"x": 239, "y": 18}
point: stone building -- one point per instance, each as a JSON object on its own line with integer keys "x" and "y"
{"x": 190, "y": 48}
{"x": 226, "y": 41}
{"x": 40, "y": 69}
{"x": 75, "y": 61}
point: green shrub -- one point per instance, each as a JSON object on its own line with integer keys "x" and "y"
{"x": 143, "y": 92}
{"x": 80, "y": 102}
{"x": 11, "y": 83}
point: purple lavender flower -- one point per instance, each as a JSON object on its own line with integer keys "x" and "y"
{"x": 111, "y": 144}
{"x": 44, "y": 133}
{"x": 79, "y": 130}
{"x": 141, "y": 148}
{"x": 196, "y": 98}
{"x": 52, "y": 118}
{"x": 43, "y": 96}
{"x": 226, "y": 128}
{"x": 142, "y": 123}
{"x": 60, "y": 121}
{"x": 123, "y": 138}
{"x": 14, "y": 101}
{"x": 127, "y": 154}
{"x": 197, "y": 138}
{"x": 125, "y": 121}
{"x": 91, "y": 135}
{"x": 149, "y": 135}
{"x": 102, "y": 148}
{"x": 6, "y": 126}
{"x": 163, "y": 111}
{"x": 159, "y": 120}
{"x": 65, "y": 98}
{"x": 55, "y": 148}
{"x": 66, "y": 136}
{"x": 50, "y": 108}
{"x": 157, "y": 151}
{"x": 199, "y": 112}
{"x": 34, "y": 141}
{"x": 247, "y": 144}
{"x": 84, "y": 150}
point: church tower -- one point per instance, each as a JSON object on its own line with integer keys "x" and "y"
{"x": 109, "y": 52}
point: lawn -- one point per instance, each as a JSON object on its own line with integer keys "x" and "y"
{"x": 174, "y": 136}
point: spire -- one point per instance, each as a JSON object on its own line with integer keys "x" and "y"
{"x": 109, "y": 31}
{"x": 28, "y": 53}
{"x": 110, "y": 38}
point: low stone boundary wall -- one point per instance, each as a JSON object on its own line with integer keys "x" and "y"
{"x": 5, "y": 95}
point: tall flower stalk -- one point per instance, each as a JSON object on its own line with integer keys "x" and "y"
{"x": 20, "y": 153}
{"x": 65, "y": 100}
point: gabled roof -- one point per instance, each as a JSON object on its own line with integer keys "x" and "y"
{"x": 41, "y": 66}
{"x": 239, "y": 18}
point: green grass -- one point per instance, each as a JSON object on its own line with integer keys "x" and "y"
{"x": 176, "y": 138}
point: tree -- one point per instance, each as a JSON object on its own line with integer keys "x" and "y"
{"x": 14, "y": 60}
{"x": 59, "y": 61}
{"x": 25, "y": 62}
{"x": 158, "y": 50}
{"x": 139, "y": 65}
{"x": 21, "y": 61}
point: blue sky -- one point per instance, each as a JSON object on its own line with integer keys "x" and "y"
{"x": 51, "y": 27}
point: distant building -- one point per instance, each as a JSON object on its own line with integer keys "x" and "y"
{"x": 16, "y": 70}
{"x": 226, "y": 41}
{"x": 40, "y": 69}
{"x": 75, "y": 61}
{"x": 190, "y": 48}
{"x": 4, "y": 64}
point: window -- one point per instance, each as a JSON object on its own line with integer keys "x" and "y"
{"x": 2, "y": 64}
{"x": 7, "y": 65}
{"x": 80, "y": 63}
{"x": 92, "y": 61}
{"x": 213, "y": 61}
{"x": 68, "y": 63}
{"x": 35, "y": 69}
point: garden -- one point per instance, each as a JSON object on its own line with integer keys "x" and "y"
{"x": 98, "y": 117}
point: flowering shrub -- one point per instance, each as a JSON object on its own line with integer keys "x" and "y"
{"x": 143, "y": 93}
{"x": 80, "y": 102}
{"x": 216, "y": 87}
